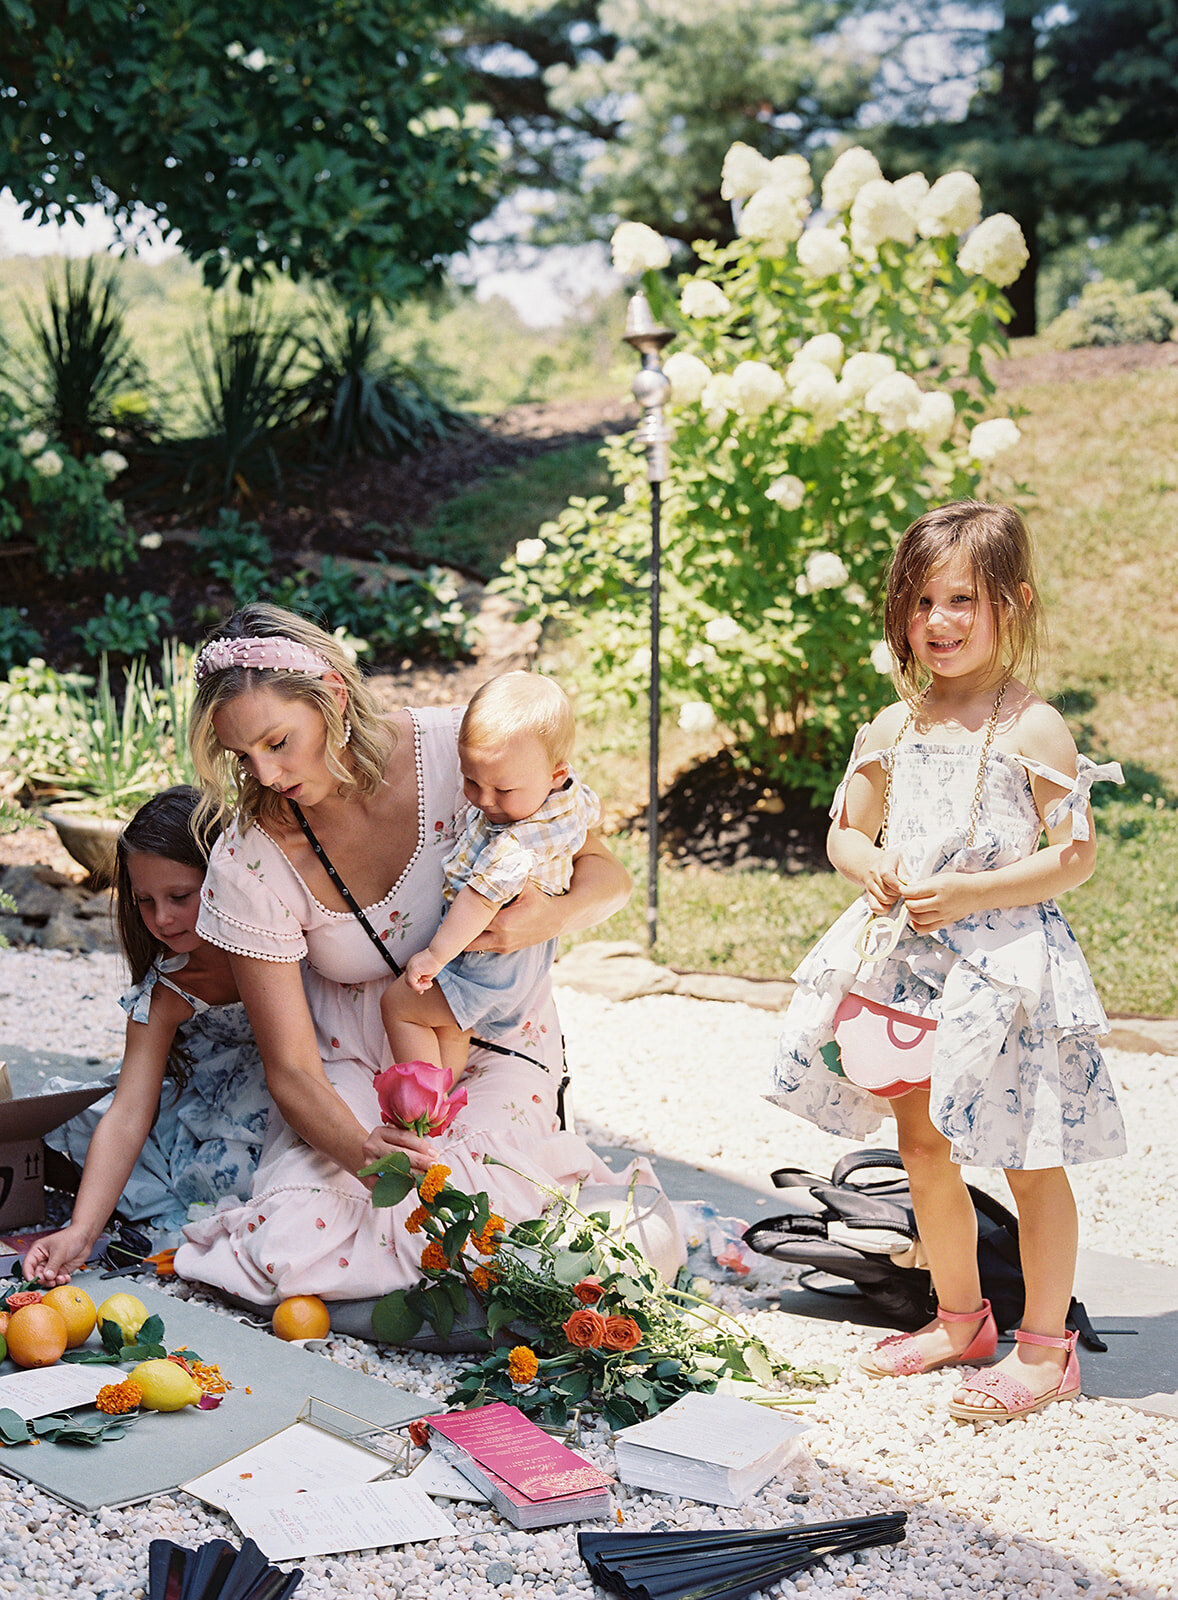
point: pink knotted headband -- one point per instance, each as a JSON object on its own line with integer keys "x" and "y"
{"x": 274, "y": 653}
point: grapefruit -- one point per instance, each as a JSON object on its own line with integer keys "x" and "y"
{"x": 166, "y": 1385}
{"x": 128, "y": 1313}
{"x": 303, "y": 1316}
{"x": 77, "y": 1311}
{"x": 37, "y": 1335}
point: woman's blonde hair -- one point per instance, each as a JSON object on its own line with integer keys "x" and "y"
{"x": 995, "y": 540}
{"x": 515, "y": 703}
{"x": 229, "y": 790}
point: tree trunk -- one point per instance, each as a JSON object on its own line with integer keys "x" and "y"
{"x": 1014, "y": 47}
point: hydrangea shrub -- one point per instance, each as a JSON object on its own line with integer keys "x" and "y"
{"x": 59, "y": 503}
{"x": 829, "y": 382}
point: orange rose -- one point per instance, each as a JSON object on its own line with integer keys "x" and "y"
{"x": 621, "y": 1333}
{"x": 588, "y": 1291}
{"x": 419, "y": 1433}
{"x": 585, "y": 1329}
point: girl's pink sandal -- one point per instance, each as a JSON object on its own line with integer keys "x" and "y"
{"x": 907, "y": 1359}
{"x": 1014, "y": 1398}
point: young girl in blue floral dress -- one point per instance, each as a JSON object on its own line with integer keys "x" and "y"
{"x": 957, "y": 942}
{"x": 189, "y": 1110}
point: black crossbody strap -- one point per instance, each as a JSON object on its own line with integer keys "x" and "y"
{"x": 388, "y": 957}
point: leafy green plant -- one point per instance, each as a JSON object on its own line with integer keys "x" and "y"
{"x": 404, "y": 613}
{"x": 81, "y": 365}
{"x": 19, "y": 640}
{"x": 238, "y": 555}
{"x": 58, "y": 503}
{"x": 1114, "y": 312}
{"x": 361, "y": 403}
{"x": 803, "y": 446}
{"x": 126, "y": 626}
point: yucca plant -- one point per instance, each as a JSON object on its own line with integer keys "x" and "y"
{"x": 81, "y": 363}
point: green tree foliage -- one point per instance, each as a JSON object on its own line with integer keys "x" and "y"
{"x": 1072, "y": 124}
{"x": 626, "y": 107}
{"x": 323, "y": 138}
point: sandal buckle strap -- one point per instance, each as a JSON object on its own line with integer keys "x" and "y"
{"x": 1068, "y": 1342}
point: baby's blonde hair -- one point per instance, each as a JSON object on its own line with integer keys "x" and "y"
{"x": 995, "y": 541}
{"x": 229, "y": 789}
{"x": 515, "y": 703}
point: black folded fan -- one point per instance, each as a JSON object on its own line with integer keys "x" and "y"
{"x": 215, "y": 1572}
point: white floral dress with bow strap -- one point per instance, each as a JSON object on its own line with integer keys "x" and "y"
{"x": 1017, "y": 1078}
{"x": 310, "y": 1226}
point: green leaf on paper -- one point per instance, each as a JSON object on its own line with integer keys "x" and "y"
{"x": 93, "y": 1358}
{"x": 13, "y": 1429}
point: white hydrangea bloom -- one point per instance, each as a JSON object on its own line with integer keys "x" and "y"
{"x": 745, "y": 171}
{"x": 825, "y": 570}
{"x": 881, "y": 658}
{"x": 637, "y": 248}
{"x": 822, "y": 251}
{"x": 529, "y": 551}
{"x": 863, "y": 370}
{"x": 851, "y": 171}
{"x": 151, "y": 541}
{"x": 688, "y": 376}
{"x": 995, "y": 250}
{"x": 635, "y": 492}
{"x": 935, "y": 419}
{"x": 700, "y": 655}
{"x": 757, "y": 387}
{"x": 256, "y": 60}
{"x": 816, "y": 390}
{"x": 702, "y": 298}
{"x": 824, "y": 348}
{"x": 718, "y": 398}
{"x": 856, "y": 594}
{"x": 792, "y": 173}
{"x": 33, "y": 442}
{"x": 879, "y": 214}
{"x": 912, "y": 189}
{"x": 952, "y": 205}
{"x": 774, "y": 216}
{"x": 788, "y": 491}
{"x": 112, "y": 463}
{"x": 722, "y": 630}
{"x": 895, "y": 400}
{"x": 696, "y": 716}
{"x": 48, "y": 464}
{"x": 990, "y": 439}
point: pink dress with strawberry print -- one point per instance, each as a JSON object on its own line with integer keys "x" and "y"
{"x": 310, "y": 1226}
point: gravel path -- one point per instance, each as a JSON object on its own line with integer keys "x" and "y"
{"x": 1080, "y": 1500}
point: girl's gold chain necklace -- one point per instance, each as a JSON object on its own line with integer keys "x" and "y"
{"x": 984, "y": 755}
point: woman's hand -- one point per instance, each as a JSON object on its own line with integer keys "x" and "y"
{"x": 944, "y": 898}
{"x": 531, "y": 918}
{"x": 384, "y": 1140}
{"x": 883, "y": 884}
{"x": 51, "y": 1260}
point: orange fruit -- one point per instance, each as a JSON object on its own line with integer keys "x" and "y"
{"x": 37, "y": 1335}
{"x": 4, "y": 1316}
{"x": 303, "y": 1316}
{"x": 77, "y": 1311}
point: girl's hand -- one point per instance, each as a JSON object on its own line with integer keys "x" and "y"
{"x": 51, "y": 1260}
{"x": 942, "y": 899}
{"x": 883, "y": 884}
{"x": 383, "y": 1140}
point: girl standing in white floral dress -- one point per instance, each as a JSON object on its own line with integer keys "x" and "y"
{"x": 939, "y": 820}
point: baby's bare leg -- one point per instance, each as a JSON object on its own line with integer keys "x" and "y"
{"x": 421, "y": 1027}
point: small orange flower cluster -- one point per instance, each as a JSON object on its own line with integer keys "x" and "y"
{"x": 433, "y": 1183}
{"x": 416, "y": 1219}
{"x": 208, "y": 1375}
{"x": 482, "y": 1279}
{"x": 434, "y": 1258}
{"x": 486, "y": 1242}
{"x": 522, "y": 1365}
{"x": 117, "y": 1398}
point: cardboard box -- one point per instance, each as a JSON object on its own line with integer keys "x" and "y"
{"x": 23, "y": 1126}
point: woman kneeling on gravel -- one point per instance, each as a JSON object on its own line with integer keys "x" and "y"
{"x": 334, "y": 807}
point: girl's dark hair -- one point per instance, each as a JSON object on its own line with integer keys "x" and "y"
{"x": 162, "y": 827}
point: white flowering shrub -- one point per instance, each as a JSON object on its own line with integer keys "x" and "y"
{"x": 60, "y": 504}
{"x": 828, "y": 384}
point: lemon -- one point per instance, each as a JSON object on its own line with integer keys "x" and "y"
{"x": 124, "y": 1309}
{"x": 166, "y": 1385}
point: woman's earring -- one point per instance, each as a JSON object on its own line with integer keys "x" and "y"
{"x": 347, "y": 733}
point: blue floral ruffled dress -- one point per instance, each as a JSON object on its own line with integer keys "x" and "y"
{"x": 205, "y": 1142}
{"x": 1017, "y": 1080}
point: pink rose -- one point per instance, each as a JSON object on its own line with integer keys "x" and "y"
{"x": 417, "y": 1096}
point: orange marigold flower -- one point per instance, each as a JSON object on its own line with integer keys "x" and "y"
{"x": 117, "y": 1398}
{"x": 432, "y": 1184}
{"x": 522, "y": 1365}
{"x": 208, "y": 1375}
{"x": 481, "y": 1279}
{"x": 486, "y": 1242}
{"x": 415, "y": 1219}
{"x": 434, "y": 1258}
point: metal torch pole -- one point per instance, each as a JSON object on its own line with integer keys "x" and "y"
{"x": 651, "y": 390}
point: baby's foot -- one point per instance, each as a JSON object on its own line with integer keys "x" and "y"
{"x": 939, "y": 1343}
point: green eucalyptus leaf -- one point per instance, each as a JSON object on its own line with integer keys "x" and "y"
{"x": 391, "y": 1187}
{"x": 571, "y": 1266}
{"x": 394, "y": 1321}
{"x": 13, "y": 1428}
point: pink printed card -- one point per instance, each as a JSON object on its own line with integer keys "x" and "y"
{"x": 512, "y": 1448}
